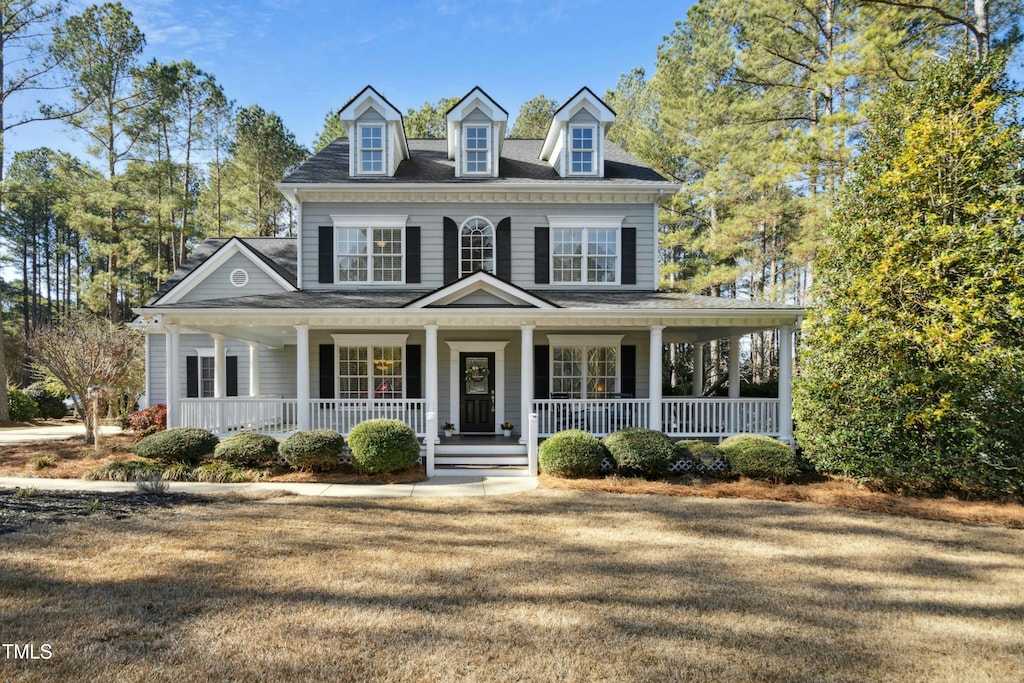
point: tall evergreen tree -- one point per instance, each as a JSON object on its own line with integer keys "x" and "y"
{"x": 429, "y": 121}
{"x": 534, "y": 118}
{"x": 332, "y": 130}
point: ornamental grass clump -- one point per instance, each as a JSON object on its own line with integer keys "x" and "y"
{"x": 640, "y": 452}
{"x": 572, "y": 453}
{"x": 383, "y": 446}
{"x": 317, "y": 450}
{"x": 126, "y": 470}
{"x": 182, "y": 444}
{"x": 759, "y": 457}
{"x": 249, "y": 450}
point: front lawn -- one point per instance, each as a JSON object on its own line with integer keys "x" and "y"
{"x": 545, "y": 586}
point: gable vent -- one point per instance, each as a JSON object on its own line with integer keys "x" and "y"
{"x": 239, "y": 277}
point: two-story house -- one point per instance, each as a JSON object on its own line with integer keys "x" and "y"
{"x": 475, "y": 280}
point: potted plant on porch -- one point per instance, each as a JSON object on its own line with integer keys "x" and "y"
{"x": 506, "y": 428}
{"x": 448, "y": 428}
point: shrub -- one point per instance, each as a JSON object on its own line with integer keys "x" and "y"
{"x": 640, "y": 452}
{"x": 702, "y": 456}
{"x": 50, "y": 404}
{"x": 314, "y": 451}
{"x": 127, "y": 470}
{"x": 572, "y": 453}
{"x": 20, "y": 407}
{"x": 383, "y": 446}
{"x": 146, "y": 421}
{"x": 183, "y": 443}
{"x": 759, "y": 457}
{"x": 246, "y": 449}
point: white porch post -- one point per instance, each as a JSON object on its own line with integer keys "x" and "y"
{"x": 431, "y": 386}
{"x": 786, "y": 384}
{"x": 654, "y": 380}
{"x": 525, "y": 380}
{"x": 220, "y": 369}
{"x": 254, "y": 369}
{"x": 302, "y": 375}
{"x": 734, "y": 367}
{"x": 698, "y": 370}
{"x": 171, "y": 358}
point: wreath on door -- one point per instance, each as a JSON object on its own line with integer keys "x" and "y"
{"x": 477, "y": 373}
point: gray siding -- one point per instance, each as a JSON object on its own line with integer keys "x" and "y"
{"x": 217, "y": 285}
{"x": 525, "y": 217}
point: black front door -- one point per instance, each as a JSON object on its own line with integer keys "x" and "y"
{"x": 477, "y": 392}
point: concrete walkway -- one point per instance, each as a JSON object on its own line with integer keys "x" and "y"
{"x": 58, "y": 432}
{"x": 438, "y": 487}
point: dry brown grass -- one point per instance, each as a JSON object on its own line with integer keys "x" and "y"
{"x": 546, "y": 586}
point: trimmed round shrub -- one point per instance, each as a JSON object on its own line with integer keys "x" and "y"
{"x": 146, "y": 421}
{"x": 383, "y": 446}
{"x": 702, "y": 456}
{"x": 572, "y": 453}
{"x": 20, "y": 407}
{"x": 50, "y": 404}
{"x": 182, "y": 444}
{"x": 317, "y": 450}
{"x": 640, "y": 452}
{"x": 759, "y": 457}
{"x": 253, "y": 450}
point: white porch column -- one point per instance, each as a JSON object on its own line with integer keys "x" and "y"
{"x": 220, "y": 367}
{"x": 654, "y": 380}
{"x": 431, "y": 385}
{"x": 173, "y": 392}
{"x": 698, "y": 370}
{"x": 302, "y": 375}
{"x": 734, "y": 367}
{"x": 254, "y": 369}
{"x": 525, "y": 380}
{"x": 786, "y": 384}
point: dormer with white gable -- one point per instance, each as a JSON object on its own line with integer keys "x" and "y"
{"x": 575, "y": 143}
{"x": 476, "y": 129}
{"x": 377, "y": 134}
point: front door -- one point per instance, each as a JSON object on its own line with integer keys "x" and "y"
{"x": 476, "y": 392}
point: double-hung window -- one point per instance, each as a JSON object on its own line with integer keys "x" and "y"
{"x": 371, "y": 149}
{"x": 207, "y": 376}
{"x": 369, "y": 249}
{"x": 584, "y": 255}
{"x": 477, "y": 149}
{"x": 581, "y": 152}
{"x": 370, "y": 366}
{"x": 584, "y": 367}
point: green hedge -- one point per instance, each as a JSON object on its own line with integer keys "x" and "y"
{"x": 50, "y": 404}
{"x": 20, "y": 407}
{"x": 317, "y": 450}
{"x": 182, "y": 444}
{"x": 383, "y": 446}
{"x": 572, "y": 453}
{"x": 255, "y": 450}
{"x": 640, "y": 452}
{"x": 759, "y": 457}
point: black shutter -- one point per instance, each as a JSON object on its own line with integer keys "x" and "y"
{"x": 232, "y": 383}
{"x": 325, "y": 246}
{"x": 541, "y": 378}
{"x": 412, "y": 254}
{"x": 327, "y": 371}
{"x": 629, "y": 256}
{"x": 503, "y": 245}
{"x": 541, "y": 256}
{"x": 192, "y": 376}
{"x": 451, "y": 251}
{"x": 628, "y": 372}
{"x": 413, "y": 372}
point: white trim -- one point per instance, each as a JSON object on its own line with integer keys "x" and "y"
{"x": 489, "y": 150}
{"x": 479, "y": 281}
{"x": 199, "y": 274}
{"x": 243, "y": 280}
{"x": 599, "y": 222}
{"x": 585, "y": 339}
{"x": 594, "y": 166}
{"x": 298, "y": 246}
{"x": 494, "y": 244}
{"x": 204, "y": 352}
{"x": 358, "y": 143}
{"x": 369, "y": 339}
{"x": 369, "y": 228}
{"x": 585, "y": 256}
{"x": 475, "y": 98}
{"x": 585, "y": 343}
{"x": 495, "y": 347}
{"x": 347, "y": 221}
{"x": 381, "y": 342}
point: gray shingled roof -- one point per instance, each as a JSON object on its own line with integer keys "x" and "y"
{"x": 429, "y": 163}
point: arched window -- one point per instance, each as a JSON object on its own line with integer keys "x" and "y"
{"x": 476, "y": 247}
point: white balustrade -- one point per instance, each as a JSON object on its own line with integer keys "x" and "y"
{"x": 598, "y": 416}
{"x": 264, "y": 415}
{"x": 719, "y": 417}
{"x": 341, "y": 415}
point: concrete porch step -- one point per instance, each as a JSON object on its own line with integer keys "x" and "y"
{"x": 481, "y": 471}
{"x": 486, "y": 459}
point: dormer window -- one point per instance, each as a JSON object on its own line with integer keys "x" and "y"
{"x": 582, "y": 149}
{"x": 371, "y": 149}
{"x": 477, "y": 149}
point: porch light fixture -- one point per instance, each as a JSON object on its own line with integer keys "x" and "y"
{"x": 380, "y": 365}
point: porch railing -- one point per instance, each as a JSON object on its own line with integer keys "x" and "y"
{"x": 597, "y": 416}
{"x": 263, "y": 415}
{"x": 718, "y": 417}
{"x": 341, "y": 415}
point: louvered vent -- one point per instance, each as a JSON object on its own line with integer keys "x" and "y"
{"x": 239, "y": 278}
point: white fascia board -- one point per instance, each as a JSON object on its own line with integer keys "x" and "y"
{"x": 479, "y": 281}
{"x": 218, "y": 258}
{"x": 605, "y": 222}
{"x": 345, "y": 221}
{"x": 596, "y": 185}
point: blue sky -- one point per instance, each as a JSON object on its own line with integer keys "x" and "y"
{"x": 302, "y": 59}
